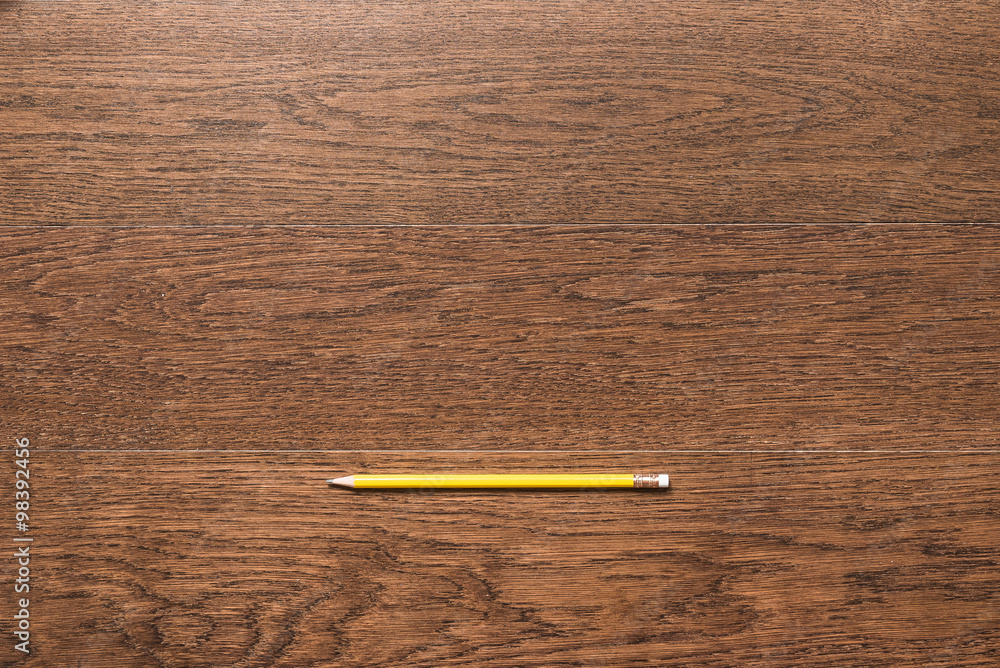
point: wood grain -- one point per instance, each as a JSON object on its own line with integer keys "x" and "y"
{"x": 248, "y": 246}
{"x": 209, "y": 559}
{"x": 196, "y": 113}
{"x": 587, "y": 339}
{"x": 824, "y": 398}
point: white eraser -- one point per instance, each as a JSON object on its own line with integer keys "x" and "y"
{"x": 664, "y": 480}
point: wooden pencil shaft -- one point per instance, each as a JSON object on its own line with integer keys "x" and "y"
{"x": 504, "y": 480}
{"x": 495, "y": 480}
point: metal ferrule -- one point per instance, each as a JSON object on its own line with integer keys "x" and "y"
{"x": 646, "y": 480}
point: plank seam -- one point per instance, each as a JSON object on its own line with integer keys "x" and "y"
{"x": 982, "y": 451}
{"x": 483, "y": 225}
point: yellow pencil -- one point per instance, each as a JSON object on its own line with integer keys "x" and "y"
{"x": 505, "y": 480}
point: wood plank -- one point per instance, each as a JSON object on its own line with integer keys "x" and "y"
{"x": 191, "y": 113}
{"x": 208, "y": 559}
{"x": 823, "y": 397}
{"x": 587, "y": 339}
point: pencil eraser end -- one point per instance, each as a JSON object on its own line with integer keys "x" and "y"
{"x": 664, "y": 480}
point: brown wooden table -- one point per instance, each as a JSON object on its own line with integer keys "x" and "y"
{"x": 245, "y": 247}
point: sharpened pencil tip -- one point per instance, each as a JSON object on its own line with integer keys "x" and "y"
{"x": 346, "y": 481}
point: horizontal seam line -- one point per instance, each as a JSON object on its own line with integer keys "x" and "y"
{"x": 475, "y": 225}
{"x": 520, "y": 452}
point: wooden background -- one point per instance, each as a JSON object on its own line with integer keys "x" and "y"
{"x": 508, "y": 111}
{"x": 247, "y": 246}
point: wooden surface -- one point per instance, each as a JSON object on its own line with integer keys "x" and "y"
{"x": 773, "y": 559}
{"x": 581, "y": 338}
{"x": 245, "y": 247}
{"x": 824, "y": 398}
{"x": 188, "y": 112}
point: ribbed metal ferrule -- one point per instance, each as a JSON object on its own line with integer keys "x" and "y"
{"x": 646, "y": 480}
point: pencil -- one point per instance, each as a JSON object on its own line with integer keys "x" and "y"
{"x": 504, "y": 480}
